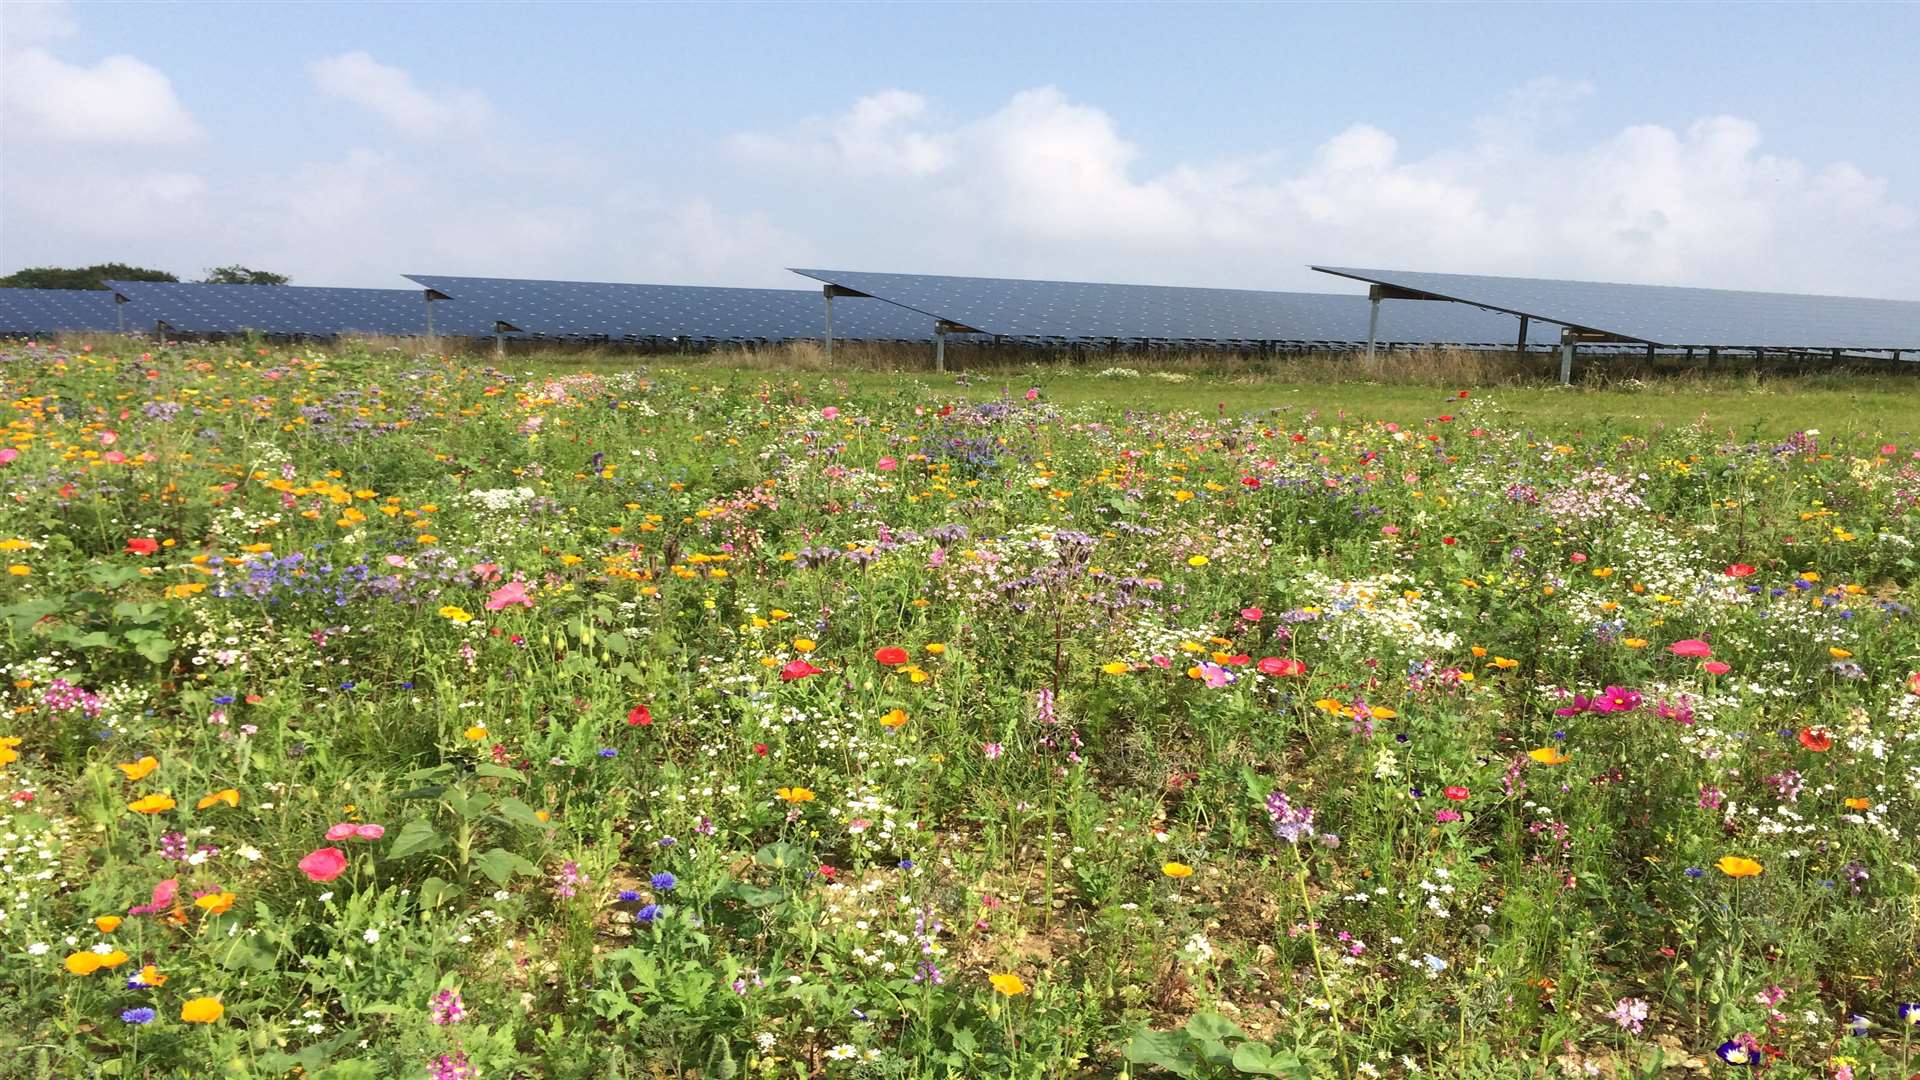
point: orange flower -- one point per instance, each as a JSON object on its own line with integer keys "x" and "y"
{"x": 226, "y": 795}
{"x": 895, "y": 718}
{"x": 216, "y": 903}
{"x": 8, "y": 755}
{"x": 1736, "y": 867}
{"x": 1549, "y": 755}
{"x": 1008, "y": 983}
{"x": 202, "y": 1010}
{"x": 1177, "y": 870}
{"x": 108, "y": 923}
{"x": 1859, "y": 804}
{"x": 795, "y": 794}
{"x": 152, "y": 804}
{"x": 150, "y": 976}
{"x": 138, "y": 770}
{"x": 86, "y": 963}
{"x": 1816, "y": 739}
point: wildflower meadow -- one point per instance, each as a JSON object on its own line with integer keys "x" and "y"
{"x": 372, "y": 714}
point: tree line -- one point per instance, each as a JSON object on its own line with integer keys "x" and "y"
{"x": 90, "y": 277}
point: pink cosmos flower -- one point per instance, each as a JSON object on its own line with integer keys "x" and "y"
{"x": 1691, "y": 647}
{"x": 8, "y": 454}
{"x": 324, "y": 864}
{"x": 513, "y": 592}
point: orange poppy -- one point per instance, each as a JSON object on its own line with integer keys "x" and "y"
{"x": 1816, "y": 739}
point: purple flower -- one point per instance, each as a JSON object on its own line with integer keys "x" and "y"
{"x": 141, "y": 1015}
{"x": 664, "y": 881}
{"x": 447, "y": 1008}
{"x": 1290, "y": 823}
{"x": 647, "y": 914}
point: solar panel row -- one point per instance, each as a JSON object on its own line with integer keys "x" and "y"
{"x": 621, "y": 312}
{"x": 52, "y": 311}
{"x": 1082, "y": 311}
{"x": 297, "y": 310}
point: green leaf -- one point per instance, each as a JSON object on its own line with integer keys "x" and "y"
{"x": 500, "y": 865}
{"x": 1211, "y": 1025}
{"x": 498, "y": 772}
{"x": 1259, "y": 1060}
{"x": 616, "y": 643}
{"x": 782, "y": 856}
{"x": 520, "y": 813}
{"x": 434, "y": 891}
{"x": 1169, "y": 1050}
{"x": 756, "y": 896}
{"x": 415, "y": 836}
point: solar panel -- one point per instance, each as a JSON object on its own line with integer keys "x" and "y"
{"x": 611, "y": 310}
{"x": 49, "y": 311}
{"x": 1670, "y": 315}
{"x": 297, "y": 310}
{"x": 1085, "y": 311}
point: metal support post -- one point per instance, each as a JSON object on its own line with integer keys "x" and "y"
{"x": 1649, "y": 352}
{"x": 939, "y": 348}
{"x": 499, "y": 343}
{"x": 1568, "y": 343}
{"x": 1373, "y": 322}
{"x": 826, "y": 293}
{"x": 429, "y": 300}
{"x": 1521, "y": 346}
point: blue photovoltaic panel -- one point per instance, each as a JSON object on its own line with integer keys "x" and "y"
{"x": 1674, "y": 316}
{"x": 596, "y": 309}
{"x": 1083, "y": 311}
{"x": 300, "y": 310}
{"x": 48, "y": 311}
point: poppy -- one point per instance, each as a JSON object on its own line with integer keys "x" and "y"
{"x": 895, "y": 718}
{"x": 1116, "y": 667}
{"x": 138, "y": 770}
{"x": 1734, "y": 866}
{"x": 513, "y": 592}
{"x": 1716, "y": 667}
{"x": 202, "y": 1010}
{"x": 1740, "y": 570}
{"x": 794, "y": 794}
{"x": 1548, "y": 755}
{"x": 229, "y": 796}
{"x": 1816, "y": 739}
{"x": 639, "y": 716}
{"x": 891, "y": 655}
{"x": 1008, "y": 984}
{"x": 152, "y": 804}
{"x": 215, "y": 903}
{"x": 369, "y": 832}
{"x": 1457, "y": 793}
{"x": 798, "y": 669}
{"x": 1281, "y": 666}
{"x": 142, "y": 545}
{"x": 324, "y": 864}
{"x": 107, "y": 923}
{"x": 1859, "y": 804}
{"x": 1177, "y": 870}
{"x": 1692, "y": 647}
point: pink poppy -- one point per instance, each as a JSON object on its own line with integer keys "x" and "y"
{"x": 1457, "y": 793}
{"x": 513, "y": 592}
{"x": 1691, "y": 647}
{"x": 324, "y": 864}
{"x": 797, "y": 669}
{"x": 1252, "y": 614}
{"x": 163, "y": 895}
{"x": 887, "y": 464}
{"x": 830, "y": 412}
{"x": 341, "y": 831}
{"x": 113, "y": 457}
{"x": 1716, "y": 667}
{"x": 369, "y": 832}
{"x": 8, "y": 454}
{"x": 1281, "y": 666}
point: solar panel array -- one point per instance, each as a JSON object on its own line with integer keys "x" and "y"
{"x": 1672, "y": 316}
{"x": 623, "y": 312}
{"x": 1072, "y": 311}
{"x": 51, "y": 311}
{"x": 296, "y": 310}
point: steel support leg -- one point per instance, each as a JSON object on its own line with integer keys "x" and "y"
{"x": 1521, "y": 345}
{"x": 1373, "y": 326}
{"x": 939, "y": 348}
{"x": 826, "y": 291}
{"x": 1567, "y": 346}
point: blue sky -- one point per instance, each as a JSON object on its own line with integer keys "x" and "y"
{"x": 1746, "y": 146}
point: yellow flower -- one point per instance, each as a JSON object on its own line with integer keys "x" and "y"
{"x": 1329, "y": 705}
{"x": 227, "y": 795}
{"x": 138, "y": 770}
{"x": 1736, "y": 867}
{"x": 1839, "y": 653}
{"x": 1381, "y": 712}
{"x": 1859, "y": 804}
{"x": 894, "y": 718}
{"x": 1009, "y": 984}
{"x": 152, "y": 804}
{"x": 804, "y": 645}
{"x": 216, "y": 903}
{"x": 475, "y": 733}
{"x": 9, "y": 755}
{"x": 1177, "y": 870}
{"x": 914, "y": 674}
{"x": 936, "y": 648}
{"x": 1503, "y": 663}
{"x": 1634, "y": 642}
{"x": 1197, "y": 560}
{"x": 1116, "y": 668}
{"x": 794, "y": 794}
{"x": 457, "y": 614}
{"x": 202, "y": 1010}
{"x": 19, "y": 570}
{"x": 107, "y": 923}
{"x": 86, "y": 963}
{"x": 151, "y": 976}
{"x": 1548, "y": 755}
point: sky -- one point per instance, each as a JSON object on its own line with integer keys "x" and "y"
{"x": 1765, "y": 146}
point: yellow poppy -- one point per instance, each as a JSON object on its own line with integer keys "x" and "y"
{"x": 216, "y": 903}
{"x": 1197, "y": 560}
{"x": 1736, "y": 867}
{"x": 1116, "y": 668}
{"x": 804, "y": 645}
{"x": 1548, "y": 755}
{"x": 108, "y": 923}
{"x": 202, "y": 1010}
{"x": 457, "y": 614}
{"x": 475, "y": 733}
{"x": 86, "y": 963}
{"x": 138, "y": 770}
{"x": 1177, "y": 870}
{"x": 894, "y": 718}
{"x": 150, "y": 976}
{"x": 227, "y": 795}
{"x": 795, "y": 794}
{"x": 1009, "y": 984}
{"x": 9, "y": 755}
{"x": 1859, "y": 804}
{"x": 152, "y": 804}
{"x": 936, "y": 648}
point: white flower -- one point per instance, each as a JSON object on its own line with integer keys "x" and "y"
{"x": 843, "y": 1052}
{"x": 38, "y": 948}
{"x": 371, "y": 936}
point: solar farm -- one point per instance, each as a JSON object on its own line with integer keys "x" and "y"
{"x": 491, "y": 677}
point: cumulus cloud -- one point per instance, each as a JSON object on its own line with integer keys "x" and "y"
{"x": 391, "y": 94}
{"x": 1054, "y": 186}
{"x": 118, "y": 101}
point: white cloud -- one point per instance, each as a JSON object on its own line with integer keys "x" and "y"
{"x": 30, "y": 23}
{"x": 391, "y": 94}
{"x": 120, "y": 101}
{"x": 1045, "y": 184}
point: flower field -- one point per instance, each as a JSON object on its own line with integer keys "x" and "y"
{"x": 370, "y": 715}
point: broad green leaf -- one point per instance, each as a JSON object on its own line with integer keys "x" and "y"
{"x": 415, "y": 836}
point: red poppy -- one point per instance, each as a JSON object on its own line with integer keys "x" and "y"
{"x": 1816, "y": 739}
{"x": 1281, "y": 666}
{"x": 1740, "y": 569}
{"x": 1239, "y": 660}
{"x": 891, "y": 655}
{"x": 1448, "y": 540}
{"x": 1456, "y": 793}
{"x": 640, "y": 716}
{"x": 760, "y": 749}
{"x": 1250, "y": 481}
{"x": 143, "y": 545}
{"x": 797, "y": 669}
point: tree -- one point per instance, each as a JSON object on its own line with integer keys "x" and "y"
{"x": 240, "y": 275}
{"x": 80, "y": 277}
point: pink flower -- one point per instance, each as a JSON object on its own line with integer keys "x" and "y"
{"x": 1578, "y": 557}
{"x": 830, "y": 412}
{"x": 341, "y": 831}
{"x": 113, "y": 457}
{"x": 8, "y": 454}
{"x": 369, "y": 832}
{"x": 1252, "y": 614}
{"x": 887, "y": 464}
{"x": 163, "y": 895}
{"x": 513, "y": 592}
{"x": 993, "y": 750}
{"x": 324, "y": 864}
{"x": 797, "y": 669}
{"x": 1281, "y": 666}
{"x": 485, "y": 571}
{"x": 1691, "y": 647}
{"x": 1033, "y": 394}
{"x": 1716, "y": 667}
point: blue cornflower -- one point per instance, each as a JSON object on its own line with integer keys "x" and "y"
{"x": 1695, "y": 873}
{"x": 141, "y": 1015}
{"x": 348, "y": 685}
{"x": 223, "y": 699}
{"x": 664, "y": 881}
{"x": 408, "y": 685}
{"x": 668, "y": 841}
{"x": 906, "y": 864}
{"x": 1910, "y": 1013}
{"x": 609, "y": 752}
{"x": 647, "y": 914}
{"x": 628, "y": 895}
